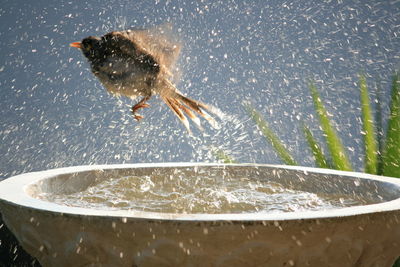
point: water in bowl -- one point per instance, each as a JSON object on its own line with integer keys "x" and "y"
{"x": 202, "y": 194}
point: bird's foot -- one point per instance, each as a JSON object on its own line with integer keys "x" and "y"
{"x": 137, "y": 117}
{"x": 136, "y": 107}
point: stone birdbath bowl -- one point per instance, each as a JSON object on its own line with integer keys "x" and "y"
{"x": 364, "y": 232}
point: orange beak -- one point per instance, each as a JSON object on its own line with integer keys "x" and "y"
{"x": 76, "y": 44}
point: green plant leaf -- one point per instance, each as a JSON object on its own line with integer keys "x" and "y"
{"x": 270, "y": 136}
{"x": 371, "y": 147}
{"x": 224, "y": 157}
{"x": 391, "y": 154}
{"x": 379, "y": 128}
{"x": 339, "y": 157}
{"x": 320, "y": 159}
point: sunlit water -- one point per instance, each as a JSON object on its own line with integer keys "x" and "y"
{"x": 206, "y": 194}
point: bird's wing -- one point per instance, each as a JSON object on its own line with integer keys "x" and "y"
{"x": 121, "y": 42}
{"x": 159, "y": 43}
{"x": 156, "y": 42}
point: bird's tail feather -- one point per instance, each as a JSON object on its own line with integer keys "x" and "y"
{"x": 182, "y": 105}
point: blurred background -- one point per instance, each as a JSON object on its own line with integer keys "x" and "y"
{"x": 54, "y": 112}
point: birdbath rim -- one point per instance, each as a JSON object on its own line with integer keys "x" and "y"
{"x": 14, "y": 191}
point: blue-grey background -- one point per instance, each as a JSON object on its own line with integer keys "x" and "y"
{"x": 54, "y": 113}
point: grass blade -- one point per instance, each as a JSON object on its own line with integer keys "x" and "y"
{"x": 339, "y": 157}
{"x": 371, "y": 152}
{"x": 391, "y": 155}
{"x": 270, "y": 136}
{"x": 224, "y": 157}
{"x": 320, "y": 159}
{"x": 379, "y": 128}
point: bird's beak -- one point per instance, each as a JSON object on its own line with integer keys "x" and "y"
{"x": 76, "y": 44}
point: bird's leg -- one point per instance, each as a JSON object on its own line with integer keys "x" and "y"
{"x": 141, "y": 104}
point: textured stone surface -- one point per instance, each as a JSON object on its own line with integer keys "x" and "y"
{"x": 362, "y": 240}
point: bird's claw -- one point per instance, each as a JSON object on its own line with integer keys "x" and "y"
{"x": 137, "y": 117}
{"x": 136, "y": 107}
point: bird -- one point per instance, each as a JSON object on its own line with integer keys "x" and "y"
{"x": 140, "y": 63}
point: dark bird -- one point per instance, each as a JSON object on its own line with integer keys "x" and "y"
{"x": 140, "y": 63}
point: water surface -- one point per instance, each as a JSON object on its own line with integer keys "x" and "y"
{"x": 202, "y": 194}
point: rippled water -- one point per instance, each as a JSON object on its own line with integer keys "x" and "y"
{"x": 206, "y": 194}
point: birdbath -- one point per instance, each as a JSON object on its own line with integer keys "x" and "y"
{"x": 278, "y": 216}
